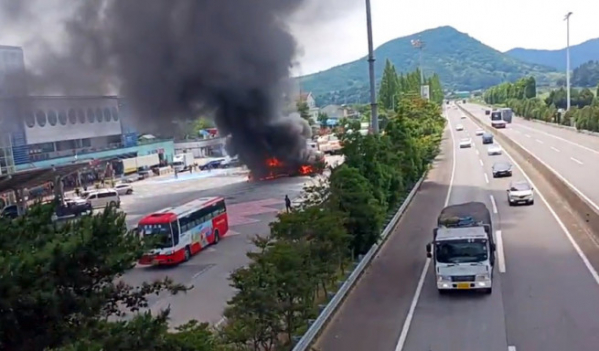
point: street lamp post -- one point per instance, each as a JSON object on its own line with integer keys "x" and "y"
{"x": 567, "y": 19}
{"x": 374, "y": 119}
{"x": 419, "y": 45}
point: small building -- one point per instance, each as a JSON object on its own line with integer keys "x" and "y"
{"x": 309, "y": 100}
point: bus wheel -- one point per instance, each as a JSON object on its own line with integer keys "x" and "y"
{"x": 187, "y": 254}
{"x": 216, "y": 237}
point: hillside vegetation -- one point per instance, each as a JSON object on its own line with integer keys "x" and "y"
{"x": 586, "y": 75}
{"x": 579, "y": 54}
{"x": 462, "y": 63}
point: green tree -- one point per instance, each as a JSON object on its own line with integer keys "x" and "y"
{"x": 201, "y": 124}
{"x": 389, "y": 87}
{"x": 304, "y": 110}
{"x": 59, "y": 281}
{"x": 365, "y": 214}
{"x": 322, "y": 119}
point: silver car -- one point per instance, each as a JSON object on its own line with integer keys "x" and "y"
{"x": 520, "y": 192}
{"x": 124, "y": 189}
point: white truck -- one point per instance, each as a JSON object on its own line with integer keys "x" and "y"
{"x": 183, "y": 162}
{"x": 329, "y": 144}
{"x": 463, "y": 249}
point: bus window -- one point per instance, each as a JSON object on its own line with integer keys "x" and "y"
{"x": 175, "y": 231}
{"x": 159, "y": 232}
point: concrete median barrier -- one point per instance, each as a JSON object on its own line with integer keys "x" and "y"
{"x": 579, "y": 205}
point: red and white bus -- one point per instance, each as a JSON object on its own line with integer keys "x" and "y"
{"x": 183, "y": 231}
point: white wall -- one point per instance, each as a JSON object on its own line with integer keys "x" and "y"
{"x": 72, "y": 120}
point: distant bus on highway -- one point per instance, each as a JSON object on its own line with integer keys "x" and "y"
{"x": 183, "y": 231}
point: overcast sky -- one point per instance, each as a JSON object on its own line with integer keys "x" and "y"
{"x": 501, "y": 24}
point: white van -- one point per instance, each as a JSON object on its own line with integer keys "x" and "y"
{"x": 103, "y": 197}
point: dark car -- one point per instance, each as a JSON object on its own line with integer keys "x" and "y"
{"x": 212, "y": 164}
{"x": 487, "y": 112}
{"x": 74, "y": 207}
{"x": 10, "y": 212}
{"x": 487, "y": 138}
{"x": 502, "y": 169}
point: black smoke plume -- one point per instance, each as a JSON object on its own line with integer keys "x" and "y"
{"x": 177, "y": 59}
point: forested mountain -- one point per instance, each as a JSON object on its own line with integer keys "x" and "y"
{"x": 462, "y": 63}
{"x": 586, "y": 75}
{"x": 579, "y": 54}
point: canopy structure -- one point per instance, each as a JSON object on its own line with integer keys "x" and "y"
{"x": 38, "y": 176}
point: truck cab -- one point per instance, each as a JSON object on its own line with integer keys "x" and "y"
{"x": 463, "y": 249}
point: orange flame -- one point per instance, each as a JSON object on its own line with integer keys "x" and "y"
{"x": 273, "y": 162}
{"x": 305, "y": 170}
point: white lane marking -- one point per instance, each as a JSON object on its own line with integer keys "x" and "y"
{"x": 540, "y": 141}
{"x": 527, "y": 135}
{"x": 481, "y": 162}
{"x": 477, "y": 152}
{"x": 493, "y": 203}
{"x": 500, "y": 251}
{"x": 403, "y": 336}
{"x": 517, "y": 131}
{"x": 562, "y": 139}
{"x": 511, "y": 348}
{"x": 486, "y": 178}
{"x": 555, "y": 149}
{"x": 577, "y": 248}
{"x": 575, "y": 160}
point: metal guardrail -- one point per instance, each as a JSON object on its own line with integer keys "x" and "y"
{"x": 316, "y": 327}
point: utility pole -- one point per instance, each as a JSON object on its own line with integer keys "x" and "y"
{"x": 567, "y": 19}
{"x": 374, "y": 119}
{"x": 419, "y": 45}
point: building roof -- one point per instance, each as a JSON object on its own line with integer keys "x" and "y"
{"x": 304, "y": 96}
{"x": 35, "y": 177}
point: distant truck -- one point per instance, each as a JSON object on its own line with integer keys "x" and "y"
{"x": 497, "y": 119}
{"x": 329, "y": 144}
{"x": 506, "y": 114}
{"x": 183, "y": 162}
{"x": 463, "y": 249}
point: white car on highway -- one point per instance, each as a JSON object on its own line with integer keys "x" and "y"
{"x": 465, "y": 142}
{"x": 459, "y": 127}
{"x": 463, "y": 117}
{"x": 494, "y": 150}
{"x": 479, "y": 132}
{"x": 520, "y": 192}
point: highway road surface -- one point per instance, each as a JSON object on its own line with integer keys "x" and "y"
{"x": 545, "y": 296}
{"x": 251, "y": 207}
{"x": 573, "y": 155}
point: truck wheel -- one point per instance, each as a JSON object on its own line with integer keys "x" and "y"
{"x": 488, "y": 291}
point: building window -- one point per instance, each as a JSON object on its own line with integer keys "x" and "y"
{"x": 42, "y": 115}
{"x": 62, "y": 118}
{"x": 29, "y": 119}
{"x": 52, "y": 117}
{"x": 86, "y": 142}
{"x": 41, "y": 120}
{"x": 115, "y": 114}
{"x": 72, "y": 116}
{"x": 99, "y": 115}
{"x": 90, "y": 115}
{"x": 81, "y": 115}
{"x": 107, "y": 114}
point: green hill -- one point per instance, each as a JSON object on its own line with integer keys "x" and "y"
{"x": 462, "y": 62}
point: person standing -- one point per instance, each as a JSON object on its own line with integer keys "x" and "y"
{"x": 287, "y": 204}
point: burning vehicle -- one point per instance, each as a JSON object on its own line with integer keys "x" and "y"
{"x": 314, "y": 164}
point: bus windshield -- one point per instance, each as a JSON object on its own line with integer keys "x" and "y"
{"x": 461, "y": 251}
{"x": 160, "y": 232}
